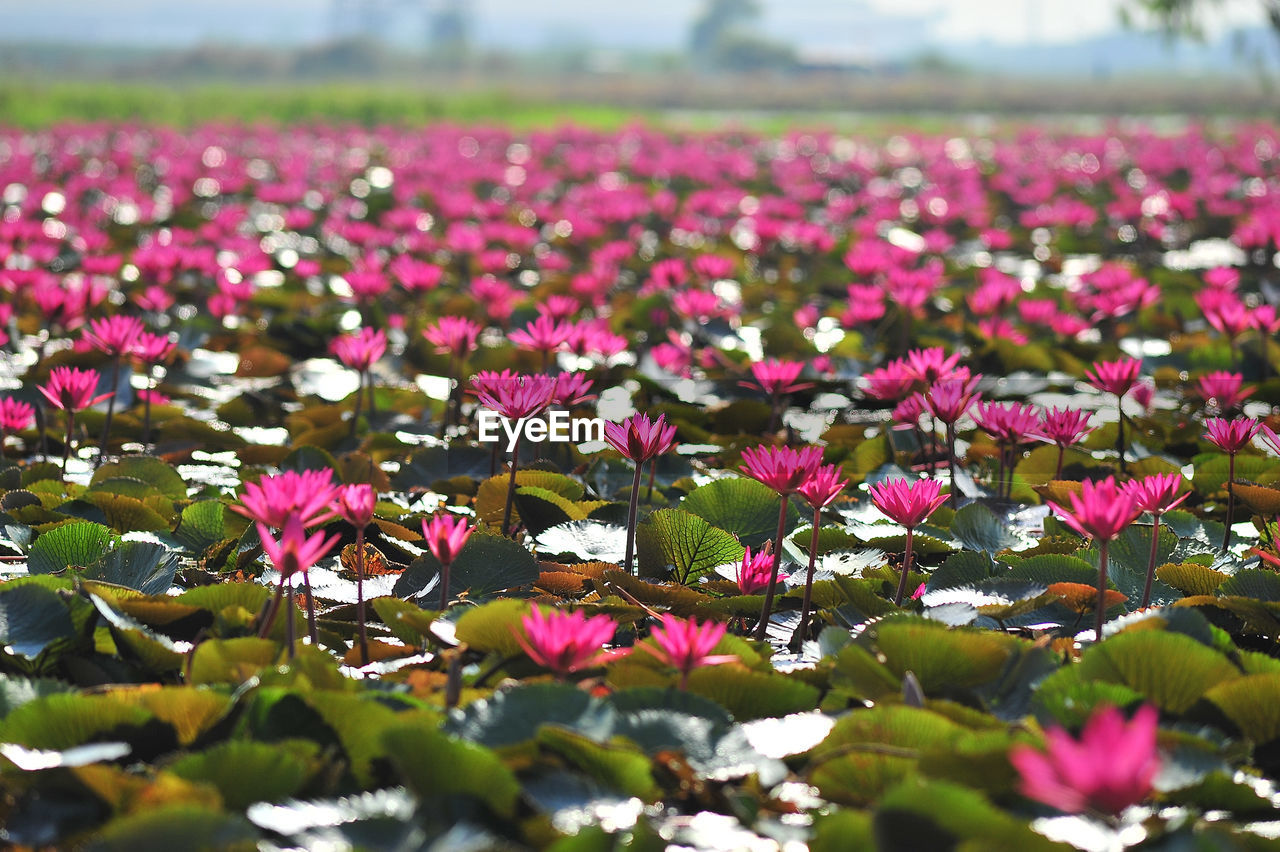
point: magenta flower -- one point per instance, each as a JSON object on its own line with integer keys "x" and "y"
{"x": 293, "y": 553}
{"x": 818, "y": 491}
{"x": 781, "y": 468}
{"x": 453, "y": 336}
{"x": 514, "y": 396}
{"x": 565, "y": 642}
{"x": 1231, "y": 436}
{"x": 71, "y": 389}
{"x": 354, "y": 504}
{"x": 361, "y": 350}
{"x": 1223, "y": 390}
{"x": 544, "y": 334}
{"x": 639, "y": 439}
{"x": 687, "y": 645}
{"x": 754, "y": 574}
{"x": 784, "y": 470}
{"x": 114, "y": 335}
{"x": 1115, "y": 377}
{"x": 776, "y": 378}
{"x": 909, "y": 504}
{"x": 446, "y": 535}
{"x": 571, "y": 389}
{"x": 1156, "y": 494}
{"x": 272, "y": 500}
{"x": 1111, "y": 766}
{"x": 1064, "y": 427}
{"x": 930, "y": 365}
{"x": 14, "y": 417}
{"x": 1010, "y": 424}
{"x": 1100, "y": 511}
{"x": 893, "y": 382}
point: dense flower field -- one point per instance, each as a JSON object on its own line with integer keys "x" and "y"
{"x": 935, "y": 507}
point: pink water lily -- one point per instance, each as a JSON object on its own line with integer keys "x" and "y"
{"x": 446, "y": 535}
{"x": 1101, "y": 511}
{"x": 1110, "y": 767}
{"x": 1231, "y": 436}
{"x": 639, "y": 439}
{"x": 686, "y": 645}
{"x": 909, "y": 504}
{"x": 566, "y": 642}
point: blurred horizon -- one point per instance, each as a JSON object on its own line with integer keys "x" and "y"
{"x": 1040, "y": 37}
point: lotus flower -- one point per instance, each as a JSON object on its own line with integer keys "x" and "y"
{"x": 818, "y": 491}
{"x": 273, "y": 500}
{"x": 354, "y": 504}
{"x": 446, "y": 535}
{"x": 1112, "y": 766}
{"x": 292, "y": 553}
{"x": 755, "y": 573}
{"x": 71, "y": 389}
{"x": 784, "y": 470}
{"x": 687, "y": 645}
{"x": 908, "y": 504}
{"x": 14, "y": 417}
{"x": 1117, "y": 377}
{"x": 1156, "y": 494}
{"x": 565, "y": 642}
{"x": 1231, "y": 436}
{"x": 1223, "y": 390}
{"x": 1065, "y": 428}
{"x": 639, "y": 439}
{"x": 1100, "y": 511}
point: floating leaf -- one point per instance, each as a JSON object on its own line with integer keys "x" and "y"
{"x": 420, "y": 753}
{"x": 743, "y": 506}
{"x": 976, "y": 527}
{"x": 1190, "y": 578}
{"x": 184, "y": 826}
{"x": 201, "y": 525}
{"x": 486, "y": 565}
{"x": 31, "y": 619}
{"x": 245, "y": 771}
{"x": 685, "y": 543}
{"x": 593, "y": 541}
{"x": 752, "y": 695}
{"x": 77, "y": 544}
{"x": 493, "y": 627}
{"x": 1252, "y": 703}
{"x": 1172, "y": 670}
{"x": 149, "y": 469}
{"x": 143, "y": 565}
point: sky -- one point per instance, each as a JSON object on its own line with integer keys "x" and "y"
{"x": 653, "y": 24}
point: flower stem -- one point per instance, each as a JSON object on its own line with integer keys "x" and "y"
{"x": 511, "y": 486}
{"x": 367, "y": 378}
{"x": 444, "y": 585}
{"x": 66, "y": 447}
{"x": 803, "y": 630}
{"x": 953, "y": 497}
{"x": 289, "y": 626}
{"x": 906, "y": 569}
{"x": 1062, "y": 451}
{"x": 1120, "y": 446}
{"x": 362, "y": 632}
{"x": 1151, "y": 562}
{"x": 773, "y": 575}
{"x": 1102, "y": 589}
{"x": 632, "y": 510}
{"x": 111, "y": 408}
{"x": 1231, "y": 501}
{"x": 359, "y": 405}
{"x": 146, "y": 414}
{"x": 269, "y": 618}
{"x": 311, "y": 609}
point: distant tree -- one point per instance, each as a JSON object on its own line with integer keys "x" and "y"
{"x": 1186, "y": 18}
{"x": 717, "y": 20}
